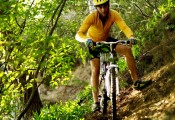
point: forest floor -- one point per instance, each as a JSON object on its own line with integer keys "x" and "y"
{"x": 156, "y": 102}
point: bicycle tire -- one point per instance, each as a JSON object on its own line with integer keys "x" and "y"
{"x": 113, "y": 93}
{"x": 104, "y": 102}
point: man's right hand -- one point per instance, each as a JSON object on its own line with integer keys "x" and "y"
{"x": 89, "y": 43}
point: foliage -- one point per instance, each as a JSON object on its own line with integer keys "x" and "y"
{"x": 10, "y": 104}
{"x": 29, "y": 46}
{"x": 71, "y": 110}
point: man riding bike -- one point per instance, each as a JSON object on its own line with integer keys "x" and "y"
{"x": 95, "y": 28}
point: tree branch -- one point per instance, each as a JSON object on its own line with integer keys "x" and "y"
{"x": 141, "y": 11}
{"x": 24, "y": 23}
{"x": 53, "y": 16}
{"x": 59, "y": 14}
{"x": 154, "y": 7}
{"x": 22, "y": 26}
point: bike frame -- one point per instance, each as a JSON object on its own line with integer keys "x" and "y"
{"x": 109, "y": 77}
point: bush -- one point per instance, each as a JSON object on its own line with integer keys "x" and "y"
{"x": 71, "y": 110}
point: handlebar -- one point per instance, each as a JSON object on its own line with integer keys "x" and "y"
{"x": 112, "y": 45}
{"x": 126, "y": 42}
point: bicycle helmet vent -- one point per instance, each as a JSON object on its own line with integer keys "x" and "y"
{"x": 99, "y": 2}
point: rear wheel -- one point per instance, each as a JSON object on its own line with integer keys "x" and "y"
{"x": 104, "y": 102}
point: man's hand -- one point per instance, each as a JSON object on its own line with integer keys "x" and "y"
{"x": 133, "y": 41}
{"x": 89, "y": 43}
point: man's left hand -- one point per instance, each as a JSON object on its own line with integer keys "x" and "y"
{"x": 133, "y": 41}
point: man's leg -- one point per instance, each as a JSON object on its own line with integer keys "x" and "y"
{"x": 127, "y": 53}
{"x": 95, "y": 71}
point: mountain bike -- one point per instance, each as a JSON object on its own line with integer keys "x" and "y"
{"x": 109, "y": 69}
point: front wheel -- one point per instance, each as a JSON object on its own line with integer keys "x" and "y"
{"x": 113, "y": 92}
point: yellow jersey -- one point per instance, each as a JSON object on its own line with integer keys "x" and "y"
{"x": 93, "y": 28}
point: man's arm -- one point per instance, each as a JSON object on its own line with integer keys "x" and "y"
{"x": 122, "y": 26}
{"x": 81, "y": 34}
{"x": 127, "y": 31}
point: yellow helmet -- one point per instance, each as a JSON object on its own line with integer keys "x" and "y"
{"x": 99, "y": 2}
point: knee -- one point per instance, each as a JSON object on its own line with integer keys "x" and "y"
{"x": 127, "y": 50}
{"x": 123, "y": 49}
{"x": 96, "y": 70}
{"x": 95, "y": 66}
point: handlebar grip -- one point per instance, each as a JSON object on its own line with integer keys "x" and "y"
{"x": 133, "y": 41}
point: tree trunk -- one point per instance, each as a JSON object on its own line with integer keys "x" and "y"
{"x": 91, "y": 6}
{"x": 36, "y": 103}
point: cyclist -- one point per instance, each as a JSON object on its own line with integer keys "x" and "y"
{"x": 95, "y": 28}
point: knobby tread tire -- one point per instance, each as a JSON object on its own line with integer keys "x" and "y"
{"x": 104, "y": 102}
{"x": 113, "y": 88}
